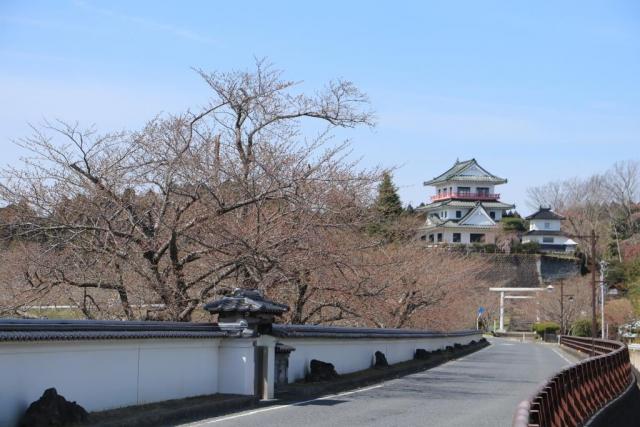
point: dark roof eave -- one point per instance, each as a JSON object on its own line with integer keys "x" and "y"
{"x": 544, "y": 233}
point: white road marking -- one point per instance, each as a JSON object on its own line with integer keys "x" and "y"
{"x": 273, "y": 408}
{"x": 563, "y": 356}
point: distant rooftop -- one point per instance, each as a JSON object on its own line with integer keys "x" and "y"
{"x": 545, "y": 213}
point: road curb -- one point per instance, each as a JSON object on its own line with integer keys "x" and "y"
{"x": 304, "y": 390}
{"x": 171, "y": 412}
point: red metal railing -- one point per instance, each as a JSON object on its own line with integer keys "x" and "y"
{"x": 465, "y": 196}
{"x": 574, "y": 395}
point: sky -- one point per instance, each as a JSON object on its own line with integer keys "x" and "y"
{"x": 535, "y": 91}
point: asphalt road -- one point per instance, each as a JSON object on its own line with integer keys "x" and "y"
{"x": 481, "y": 389}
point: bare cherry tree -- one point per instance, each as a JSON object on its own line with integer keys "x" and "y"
{"x": 597, "y": 202}
{"x": 151, "y": 223}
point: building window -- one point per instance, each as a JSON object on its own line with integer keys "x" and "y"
{"x": 438, "y": 191}
{"x": 439, "y": 237}
{"x": 476, "y": 238}
{"x": 492, "y": 214}
{"x": 423, "y": 237}
{"x": 456, "y": 238}
{"x": 547, "y": 225}
{"x": 431, "y": 238}
{"x": 458, "y": 214}
{"x": 483, "y": 191}
{"x": 464, "y": 190}
{"x": 547, "y": 240}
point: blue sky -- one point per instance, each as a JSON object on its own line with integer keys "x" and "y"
{"x": 535, "y": 91}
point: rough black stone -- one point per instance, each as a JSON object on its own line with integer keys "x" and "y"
{"x": 321, "y": 371}
{"x": 52, "y": 410}
{"x": 421, "y": 354}
{"x": 381, "y": 360}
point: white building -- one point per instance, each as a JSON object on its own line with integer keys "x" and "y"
{"x": 465, "y": 207}
{"x": 545, "y": 229}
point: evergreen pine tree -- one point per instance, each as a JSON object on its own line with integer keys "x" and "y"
{"x": 387, "y": 204}
{"x": 387, "y": 208}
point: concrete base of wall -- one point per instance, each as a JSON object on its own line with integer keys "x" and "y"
{"x": 305, "y": 390}
{"x": 171, "y": 412}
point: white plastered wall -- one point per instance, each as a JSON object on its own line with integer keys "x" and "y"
{"x": 105, "y": 374}
{"x": 540, "y": 224}
{"x": 351, "y": 355}
{"x": 236, "y": 361}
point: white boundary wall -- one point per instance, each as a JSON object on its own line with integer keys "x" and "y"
{"x": 105, "y": 374}
{"x": 351, "y": 355}
{"x": 110, "y": 373}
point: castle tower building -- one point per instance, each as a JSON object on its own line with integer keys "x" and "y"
{"x": 545, "y": 229}
{"x": 465, "y": 207}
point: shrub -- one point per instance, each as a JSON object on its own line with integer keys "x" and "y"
{"x": 543, "y": 328}
{"x": 490, "y": 248}
{"x": 512, "y": 224}
{"x": 581, "y": 328}
{"x": 526, "y": 248}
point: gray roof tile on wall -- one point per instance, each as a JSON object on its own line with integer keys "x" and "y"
{"x": 64, "y": 330}
{"x": 319, "y": 331}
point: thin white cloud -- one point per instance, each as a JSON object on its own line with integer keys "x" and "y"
{"x": 150, "y": 24}
{"x": 42, "y": 24}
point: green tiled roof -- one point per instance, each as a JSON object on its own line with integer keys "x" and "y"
{"x": 456, "y": 173}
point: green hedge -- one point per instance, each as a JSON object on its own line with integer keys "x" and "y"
{"x": 546, "y": 327}
{"x": 525, "y": 248}
{"x": 581, "y": 328}
{"x": 513, "y": 224}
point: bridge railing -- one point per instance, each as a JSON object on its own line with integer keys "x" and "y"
{"x": 575, "y": 394}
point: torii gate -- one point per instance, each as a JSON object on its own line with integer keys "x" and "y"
{"x": 503, "y": 297}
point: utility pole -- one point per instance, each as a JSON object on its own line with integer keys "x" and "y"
{"x": 603, "y": 267}
{"x": 594, "y": 323}
{"x": 561, "y": 307}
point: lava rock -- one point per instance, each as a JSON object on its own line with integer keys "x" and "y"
{"x": 421, "y": 354}
{"x": 53, "y": 410}
{"x": 381, "y": 360}
{"x": 321, "y": 371}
